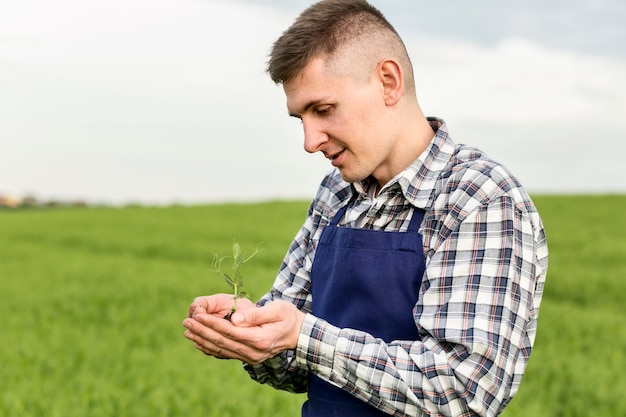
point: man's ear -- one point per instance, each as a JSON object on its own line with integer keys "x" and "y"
{"x": 392, "y": 81}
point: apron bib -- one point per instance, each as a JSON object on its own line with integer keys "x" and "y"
{"x": 367, "y": 280}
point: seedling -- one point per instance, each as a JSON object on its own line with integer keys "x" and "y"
{"x": 234, "y": 280}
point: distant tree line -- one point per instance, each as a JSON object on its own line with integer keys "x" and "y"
{"x": 12, "y": 202}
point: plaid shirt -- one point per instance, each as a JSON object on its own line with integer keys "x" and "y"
{"x": 486, "y": 263}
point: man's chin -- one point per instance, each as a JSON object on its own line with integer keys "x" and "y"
{"x": 350, "y": 177}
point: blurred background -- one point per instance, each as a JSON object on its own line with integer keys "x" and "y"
{"x": 167, "y": 101}
{"x": 161, "y": 106}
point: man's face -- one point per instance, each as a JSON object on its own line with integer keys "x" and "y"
{"x": 344, "y": 118}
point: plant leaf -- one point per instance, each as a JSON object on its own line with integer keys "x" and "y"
{"x": 229, "y": 281}
{"x": 236, "y": 281}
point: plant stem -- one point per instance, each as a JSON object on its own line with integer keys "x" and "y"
{"x": 235, "y": 296}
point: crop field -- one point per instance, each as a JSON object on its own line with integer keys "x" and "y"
{"x": 92, "y": 300}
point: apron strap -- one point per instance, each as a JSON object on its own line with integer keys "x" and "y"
{"x": 338, "y": 215}
{"x": 416, "y": 219}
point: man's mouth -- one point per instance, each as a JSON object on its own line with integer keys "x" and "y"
{"x": 336, "y": 158}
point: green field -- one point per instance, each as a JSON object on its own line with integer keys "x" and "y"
{"x": 92, "y": 300}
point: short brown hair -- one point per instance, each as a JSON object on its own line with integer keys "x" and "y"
{"x": 323, "y": 28}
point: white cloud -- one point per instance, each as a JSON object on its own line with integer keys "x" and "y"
{"x": 520, "y": 82}
{"x": 554, "y": 117}
{"x": 167, "y": 100}
{"x": 144, "y": 100}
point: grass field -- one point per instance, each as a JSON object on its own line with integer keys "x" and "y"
{"x": 92, "y": 301}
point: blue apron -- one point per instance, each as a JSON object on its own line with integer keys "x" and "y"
{"x": 367, "y": 280}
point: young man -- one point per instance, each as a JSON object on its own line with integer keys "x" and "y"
{"x": 413, "y": 287}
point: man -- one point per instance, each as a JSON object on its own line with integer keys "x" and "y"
{"x": 414, "y": 285}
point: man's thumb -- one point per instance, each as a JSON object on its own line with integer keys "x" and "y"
{"x": 237, "y": 319}
{"x": 253, "y": 316}
{"x": 248, "y": 318}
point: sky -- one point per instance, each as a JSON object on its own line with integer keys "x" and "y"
{"x": 167, "y": 101}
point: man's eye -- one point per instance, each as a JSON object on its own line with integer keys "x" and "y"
{"x": 323, "y": 111}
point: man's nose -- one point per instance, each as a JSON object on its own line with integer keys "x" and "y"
{"x": 314, "y": 137}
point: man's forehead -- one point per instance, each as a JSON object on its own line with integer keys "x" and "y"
{"x": 309, "y": 87}
{"x": 315, "y": 66}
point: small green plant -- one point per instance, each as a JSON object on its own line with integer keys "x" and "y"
{"x": 235, "y": 280}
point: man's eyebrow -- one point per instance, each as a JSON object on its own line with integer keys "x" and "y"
{"x": 306, "y": 107}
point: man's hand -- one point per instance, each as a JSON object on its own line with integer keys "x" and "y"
{"x": 253, "y": 334}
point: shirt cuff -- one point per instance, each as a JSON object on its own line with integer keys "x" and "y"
{"x": 316, "y": 346}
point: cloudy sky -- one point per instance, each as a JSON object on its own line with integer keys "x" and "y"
{"x": 163, "y": 101}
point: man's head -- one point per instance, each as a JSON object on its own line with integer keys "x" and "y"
{"x": 348, "y": 78}
{"x": 352, "y": 35}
